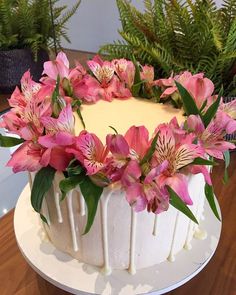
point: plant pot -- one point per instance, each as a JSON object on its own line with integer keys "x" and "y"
{"x": 14, "y": 63}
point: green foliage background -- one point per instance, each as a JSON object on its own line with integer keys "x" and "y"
{"x": 27, "y": 24}
{"x": 177, "y": 35}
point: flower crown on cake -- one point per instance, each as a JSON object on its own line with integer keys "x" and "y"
{"x": 151, "y": 168}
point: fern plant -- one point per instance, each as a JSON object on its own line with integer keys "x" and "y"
{"x": 28, "y": 24}
{"x": 177, "y": 35}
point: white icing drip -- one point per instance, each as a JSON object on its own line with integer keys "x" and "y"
{"x": 103, "y": 204}
{"x": 132, "y": 267}
{"x": 154, "y": 232}
{"x": 71, "y": 220}
{"x": 30, "y": 180}
{"x": 82, "y": 211}
{"x": 191, "y": 228}
{"x": 200, "y": 234}
{"x": 171, "y": 256}
{"x": 57, "y": 196}
{"x": 46, "y": 211}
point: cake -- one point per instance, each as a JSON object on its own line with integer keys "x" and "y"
{"x": 121, "y": 182}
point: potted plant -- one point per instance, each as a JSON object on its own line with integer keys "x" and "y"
{"x": 175, "y": 36}
{"x": 28, "y": 29}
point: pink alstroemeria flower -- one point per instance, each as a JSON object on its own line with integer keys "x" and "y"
{"x": 227, "y": 114}
{"x": 90, "y": 151}
{"x": 178, "y": 155}
{"x": 28, "y": 157}
{"x": 199, "y": 87}
{"x": 106, "y": 85}
{"x": 59, "y": 131}
{"x": 125, "y": 70}
{"x": 146, "y": 193}
{"x": 211, "y": 138}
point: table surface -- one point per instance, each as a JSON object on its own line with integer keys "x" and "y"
{"x": 218, "y": 277}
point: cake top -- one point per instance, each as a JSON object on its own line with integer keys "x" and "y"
{"x": 122, "y": 114}
{"x": 147, "y": 150}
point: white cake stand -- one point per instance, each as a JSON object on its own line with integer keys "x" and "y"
{"x": 79, "y": 278}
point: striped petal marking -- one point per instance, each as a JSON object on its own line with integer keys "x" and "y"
{"x": 103, "y": 73}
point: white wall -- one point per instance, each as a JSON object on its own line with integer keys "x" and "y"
{"x": 96, "y": 23}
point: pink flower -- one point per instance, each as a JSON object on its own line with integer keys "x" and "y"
{"x": 89, "y": 150}
{"x": 227, "y": 114}
{"x": 178, "y": 155}
{"x": 211, "y": 138}
{"x": 125, "y": 70}
{"x": 147, "y": 74}
{"x": 27, "y": 157}
{"x": 199, "y": 87}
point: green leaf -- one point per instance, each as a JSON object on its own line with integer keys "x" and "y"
{"x": 70, "y": 183}
{"x": 137, "y": 79}
{"x": 114, "y": 129}
{"x": 8, "y": 141}
{"x": 203, "y": 105}
{"x": 201, "y": 161}
{"x": 177, "y": 202}
{"x": 211, "y": 199}
{"x": 91, "y": 193}
{"x": 227, "y": 162}
{"x": 55, "y": 93}
{"x": 42, "y": 183}
{"x": 211, "y": 111}
{"x": 189, "y": 104}
{"x": 74, "y": 168}
{"x": 81, "y": 117}
{"x": 150, "y": 151}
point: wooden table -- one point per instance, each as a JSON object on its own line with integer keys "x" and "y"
{"x": 217, "y": 278}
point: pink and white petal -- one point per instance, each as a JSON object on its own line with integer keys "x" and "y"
{"x": 93, "y": 166}
{"x": 55, "y": 68}
{"x": 165, "y": 147}
{"x": 186, "y": 153}
{"x": 23, "y": 160}
{"x": 131, "y": 173}
{"x": 61, "y": 56}
{"x": 195, "y": 124}
{"x": 179, "y": 184}
{"x": 135, "y": 197}
{"x": 59, "y": 158}
{"x": 195, "y": 169}
{"x": 138, "y": 139}
{"x": 28, "y": 86}
{"x": 168, "y": 91}
{"x": 117, "y": 145}
{"x": 156, "y": 171}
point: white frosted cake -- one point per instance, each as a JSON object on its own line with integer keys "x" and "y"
{"x": 120, "y": 238}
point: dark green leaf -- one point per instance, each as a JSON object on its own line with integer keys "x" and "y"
{"x": 8, "y": 141}
{"x": 177, "y": 202}
{"x": 201, "y": 161}
{"x": 81, "y": 117}
{"x": 42, "y": 183}
{"x": 203, "y": 105}
{"x": 70, "y": 183}
{"x": 74, "y": 168}
{"x": 137, "y": 79}
{"x": 211, "y": 199}
{"x": 91, "y": 194}
{"x": 189, "y": 104}
{"x": 211, "y": 111}
{"x": 150, "y": 151}
{"x": 44, "y": 219}
{"x": 114, "y": 129}
{"x": 55, "y": 93}
{"x": 227, "y": 162}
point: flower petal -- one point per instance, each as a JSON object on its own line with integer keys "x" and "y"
{"x": 137, "y": 139}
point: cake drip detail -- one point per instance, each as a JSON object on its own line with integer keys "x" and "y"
{"x": 171, "y": 256}
{"x": 69, "y": 200}
{"x": 133, "y": 229}
{"x": 57, "y": 196}
{"x": 192, "y": 227}
{"x": 154, "y": 232}
{"x": 82, "y": 211}
{"x": 200, "y": 234}
{"x": 104, "y": 203}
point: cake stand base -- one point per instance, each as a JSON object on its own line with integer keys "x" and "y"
{"x": 73, "y": 276}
